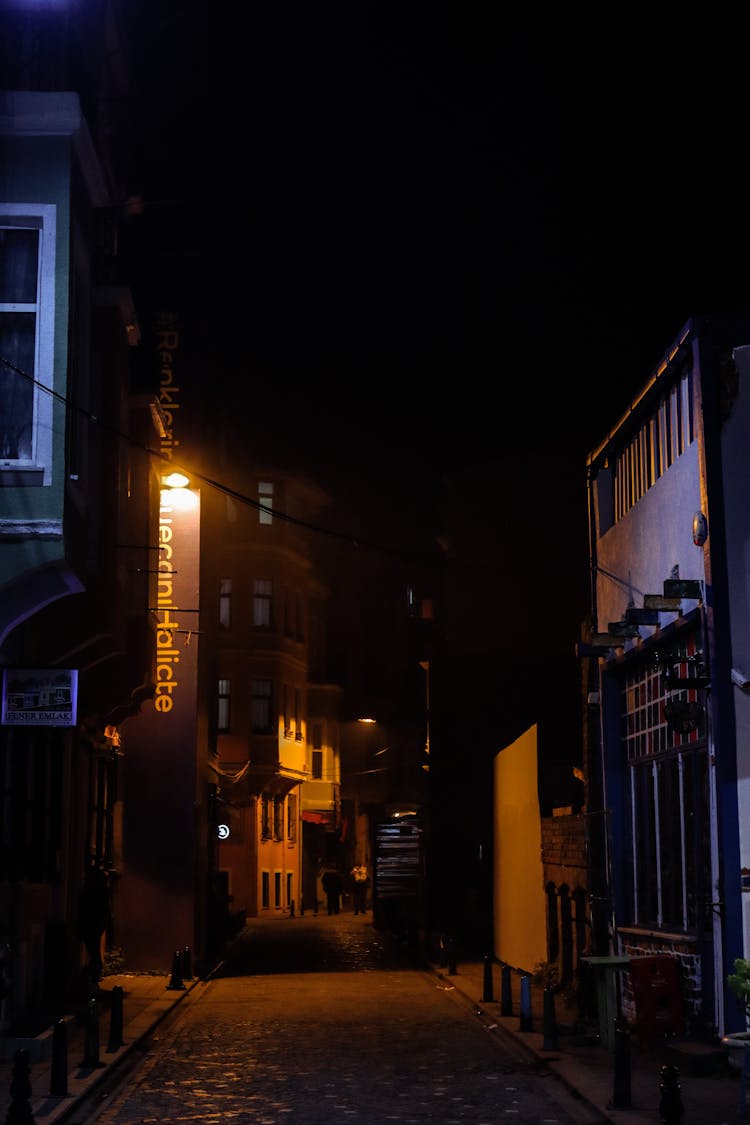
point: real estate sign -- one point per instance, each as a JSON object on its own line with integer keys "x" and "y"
{"x": 40, "y": 697}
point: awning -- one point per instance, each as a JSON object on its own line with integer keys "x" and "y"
{"x": 318, "y": 817}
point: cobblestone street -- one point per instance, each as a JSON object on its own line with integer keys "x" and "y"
{"x": 319, "y": 1019}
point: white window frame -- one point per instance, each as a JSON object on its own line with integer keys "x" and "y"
{"x": 41, "y": 217}
{"x": 265, "y": 498}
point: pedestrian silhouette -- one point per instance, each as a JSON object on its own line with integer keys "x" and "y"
{"x": 93, "y": 912}
{"x": 332, "y": 886}
{"x": 361, "y": 880}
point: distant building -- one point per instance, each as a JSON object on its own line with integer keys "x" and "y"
{"x": 278, "y": 773}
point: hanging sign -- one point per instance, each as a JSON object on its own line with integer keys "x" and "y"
{"x": 40, "y": 697}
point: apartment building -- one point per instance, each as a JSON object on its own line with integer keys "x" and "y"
{"x": 278, "y": 774}
{"x": 78, "y": 504}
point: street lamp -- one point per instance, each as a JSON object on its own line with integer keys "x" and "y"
{"x": 425, "y": 665}
{"x": 175, "y": 486}
{"x": 176, "y": 479}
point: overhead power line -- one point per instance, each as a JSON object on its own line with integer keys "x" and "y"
{"x": 226, "y": 490}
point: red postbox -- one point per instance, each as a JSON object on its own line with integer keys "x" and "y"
{"x": 658, "y": 1001}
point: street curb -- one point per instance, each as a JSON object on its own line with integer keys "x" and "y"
{"x": 533, "y": 1054}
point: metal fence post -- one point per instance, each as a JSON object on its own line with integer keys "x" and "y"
{"x": 488, "y": 993}
{"x": 506, "y": 994}
{"x": 526, "y": 1017}
{"x": 621, "y": 1090}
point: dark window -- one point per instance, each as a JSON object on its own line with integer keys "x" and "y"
{"x": 291, "y": 817}
{"x": 261, "y": 706}
{"x": 30, "y": 804}
{"x": 265, "y": 817}
{"x": 225, "y": 603}
{"x": 278, "y": 818}
{"x": 225, "y": 691}
{"x": 668, "y": 801}
{"x": 262, "y": 603}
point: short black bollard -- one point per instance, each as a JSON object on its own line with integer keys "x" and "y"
{"x": 452, "y": 957}
{"x": 291, "y": 908}
{"x": 187, "y": 963}
{"x": 19, "y": 1110}
{"x": 527, "y": 1021}
{"x": 621, "y": 1087}
{"x": 488, "y": 993}
{"x": 175, "y": 981}
{"x": 550, "y": 1021}
{"x": 670, "y": 1105}
{"x": 91, "y": 1037}
{"x": 443, "y": 951}
{"x": 115, "y": 1020}
{"x": 58, "y": 1075}
{"x": 506, "y": 993}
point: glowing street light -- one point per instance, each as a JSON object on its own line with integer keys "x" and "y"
{"x": 175, "y": 479}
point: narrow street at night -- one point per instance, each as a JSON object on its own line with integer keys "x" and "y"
{"x": 322, "y": 1019}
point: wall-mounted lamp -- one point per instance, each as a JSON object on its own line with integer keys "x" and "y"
{"x": 175, "y": 479}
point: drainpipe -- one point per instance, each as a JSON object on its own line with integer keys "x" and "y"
{"x": 596, "y": 735}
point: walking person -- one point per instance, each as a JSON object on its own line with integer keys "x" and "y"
{"x": 332, "y": 886}
{"x": 93, "y": 913}
{"x": 361, "y": 880}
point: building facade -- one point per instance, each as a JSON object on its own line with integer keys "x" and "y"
{"x": 277, "y": 734}
{"x": 665, "y": 663}
{"x": 77, "y": 483}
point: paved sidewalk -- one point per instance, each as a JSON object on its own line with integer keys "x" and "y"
{"x": 588, "y": 1070}
{"x": 145, "y": 1001}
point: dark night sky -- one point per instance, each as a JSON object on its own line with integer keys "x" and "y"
{"x": 411, "y": 239}
{"x": 435, "y": 232}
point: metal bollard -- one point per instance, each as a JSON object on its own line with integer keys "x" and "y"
{"x": 526, "y": 1017}
{"x": 187, "y": 963}
{"x": 488, "y": 993}
{"x": 58, "y": 1077}
{"x": 291, "y": 908}
{"x": 670, "y": 1105}
{"x": 91, "y": 1037}
{"x": 742, "y": 1106}
{"x": 506, "y": 993}
{"x": 621, "y": 1088}
{"x": 175, "y": 981}
{"x": 115, "y": 1020}
{"x": 19, "y": 1111}
{"x": 451, "y": 957}
{"x": 550, "y": 1022}
{"x": 443, "y": 951}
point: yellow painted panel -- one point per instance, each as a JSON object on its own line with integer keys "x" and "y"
{"x": 519, "y": 923}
